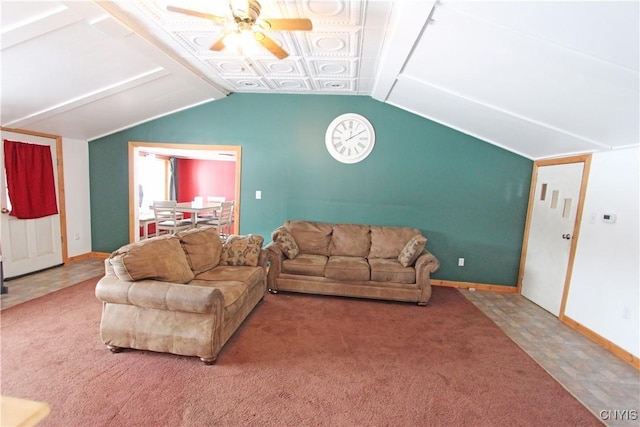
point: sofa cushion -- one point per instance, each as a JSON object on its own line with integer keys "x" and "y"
{"x": 347, "y": 268}
{"x": 350, "y": 240}
{"x": 412, "y": 250}
{"x": 242, "y": 250}
{"x": 388, "y": 242}
{"x": 234, "y": 293}
{"x": 229, "y": 273}
{"x": 285, "y": 241}
{"x": 390, "y": 270}
{"x": 202, "y": 246}
{"x": 305, "y": 264}
{"x": 311, "y": 237}
{"x": 160, "y": 258}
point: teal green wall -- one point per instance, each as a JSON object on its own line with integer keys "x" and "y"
{"x": 468, "y": 197}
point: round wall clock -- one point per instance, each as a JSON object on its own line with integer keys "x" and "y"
{"x": 350, "y": 138}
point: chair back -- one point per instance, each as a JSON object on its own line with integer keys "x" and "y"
{"x": 222, "y": 220}
{"x": 164, "y": 210}
{"x": 226, "y": 216}
{"x": 216, "y": 198}
{"x": 167, "y": 217}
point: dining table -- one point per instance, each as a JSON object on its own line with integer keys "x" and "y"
{"x": 146, "y": 220}
{"x": 195, "y": 207}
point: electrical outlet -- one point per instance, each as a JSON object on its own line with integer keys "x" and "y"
{"x": 460, "y": 262}
{"x": 258, "y": 194}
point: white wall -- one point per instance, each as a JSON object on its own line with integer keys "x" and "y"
{"x": 604, "y": 293}
{"x": 75, "y": 154}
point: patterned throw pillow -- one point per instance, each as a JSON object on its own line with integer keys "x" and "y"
{"x": 412, "y": 250}
{"x": 242, "y": 250}
{"x": 285, "y": 242}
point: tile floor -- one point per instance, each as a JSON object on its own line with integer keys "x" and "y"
{"x": 606, "y": 385}
{"x": 601, "y": 381}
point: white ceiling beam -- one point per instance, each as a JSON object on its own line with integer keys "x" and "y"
{"x": 88, "y": 98}
{"x": 408, "y": 20}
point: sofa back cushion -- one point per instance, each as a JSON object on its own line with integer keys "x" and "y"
{"x": 350, "y": 240}
{"x": 202, "y": 246}
{"x": 388, "y": 242}
{"x": 159, "y": 258}
{"x": 311, "y": 237}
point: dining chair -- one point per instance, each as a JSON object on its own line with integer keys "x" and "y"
{"x": 209, "y": 215}
{"x": 216, "y": 199}
{"x": 223, "y": 220}
{"x": 167, "y": 218}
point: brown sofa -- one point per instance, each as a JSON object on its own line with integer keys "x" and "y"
{"x": 351, "y": 260}
{"x": 184, "y": 294}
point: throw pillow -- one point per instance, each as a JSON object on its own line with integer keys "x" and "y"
{"x": 202, "y": 246}
{"x": 412, "y": 250}
{"x": 159, "y": 258}
{"x": 242, "y": 250}
{"x": 285, "y": 242}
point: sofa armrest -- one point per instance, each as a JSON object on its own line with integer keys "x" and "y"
{"x": 275, "y": 257}
{"x": 263, "y": 258}
{"x": 426, "y": 264}
{"x": 160, "y": 295}
{"x": 427, "y": 261}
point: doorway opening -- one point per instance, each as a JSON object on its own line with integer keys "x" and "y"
{"x": 151, "y": 176}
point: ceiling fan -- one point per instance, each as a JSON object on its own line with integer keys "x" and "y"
{"x": 245, "y": 19}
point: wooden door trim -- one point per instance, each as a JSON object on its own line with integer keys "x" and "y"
{"x": 586, "y": 160}
{"x": 61, "y": 193}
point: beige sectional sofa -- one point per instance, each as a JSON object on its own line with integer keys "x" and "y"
{"x": 184, "y": 294}
{"x": 352, "y": 260}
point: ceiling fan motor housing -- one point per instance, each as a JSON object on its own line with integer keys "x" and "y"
{"x": 249, "y": 15}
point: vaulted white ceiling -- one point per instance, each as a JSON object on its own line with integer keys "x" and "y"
{"x": 542, "y": 79}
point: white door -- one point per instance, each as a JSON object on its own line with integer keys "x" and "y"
{"x": 32, "y": 244}
{"x": 550, "y": 234}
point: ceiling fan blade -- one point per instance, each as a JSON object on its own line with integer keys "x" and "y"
{"x": 219, "y": 45}
{"x": 197, "y": 14}
{"x": 278, "y": 24}
{"x": 270, "y": 45}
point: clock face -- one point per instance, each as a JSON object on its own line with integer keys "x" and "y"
{"x": 350, "y": 138}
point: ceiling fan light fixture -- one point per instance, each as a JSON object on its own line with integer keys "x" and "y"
{"x": 240, "y": 41}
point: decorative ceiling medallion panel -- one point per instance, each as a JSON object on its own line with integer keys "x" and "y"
{"x": 197, "y": 42}
{"x": 248, "y": 84}
{"x": 290, "y": 67}
{"x": 232, "y": 67}
{"x": 292, "y": 85}
{"x": 336, "y": 85}
{"x": 328, "y": 12}
{"x": 334, "y": 68}
{"x": 332, "y": 44}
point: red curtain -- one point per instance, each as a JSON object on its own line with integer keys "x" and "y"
{"x": 30, "y": 180}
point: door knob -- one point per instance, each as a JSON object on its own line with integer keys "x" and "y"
{"x": 566, "y": 236}
{"x": 4, "y": 210}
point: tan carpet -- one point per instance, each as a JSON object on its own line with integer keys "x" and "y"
{"x": 297, "y": 360}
